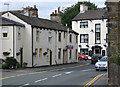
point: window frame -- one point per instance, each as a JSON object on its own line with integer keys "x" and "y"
{"x": 84, "y": 38}
{"x": 70, "y": 38}
{"x": 59, "y": 36}
{"x": 6, "y": 33}
{"x": 84, "y": 24}
{"x": 97, "y": 33}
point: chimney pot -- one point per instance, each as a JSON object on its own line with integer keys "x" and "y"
{"x": 58, "y": 10}
{"x": 52, "y": 12}
{"x": 55, "y": 11}
{"x": 34, "y": 6}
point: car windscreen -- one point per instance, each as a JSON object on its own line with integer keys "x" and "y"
{"x": 103, "y": 59}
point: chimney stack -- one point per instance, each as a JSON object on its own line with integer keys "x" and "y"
{"x": 83, "y": 8}
{"x": 56, "y": 16}
{"x": 30, "y": 11}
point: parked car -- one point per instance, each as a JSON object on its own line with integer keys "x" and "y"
{"x": 101, "y": 64}
{"x": 95, "y": 58}
{"x": 89, "y": 58}
{"x": 82, "y": 57}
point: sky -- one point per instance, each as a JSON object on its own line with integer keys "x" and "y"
{"x": 45, "y": 7}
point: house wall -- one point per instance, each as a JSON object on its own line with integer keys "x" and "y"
{"x": 7, "y": 43}
{"x": 91, "y": 26}
{"x": 54, "y": 45}
{"x": 27, "y": 48}
{"x": 45, "y": 45}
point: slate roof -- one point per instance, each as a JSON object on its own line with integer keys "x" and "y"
{"x": 91, "y": 15}
{"x": 7, "y": 22}
{"x": 42, "y": 23}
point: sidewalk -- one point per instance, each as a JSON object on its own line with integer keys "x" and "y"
{"x": 44, "y": 68}
{"x": 102, "y": 80}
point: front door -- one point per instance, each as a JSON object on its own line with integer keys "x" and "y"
{"x": 50, "y": 57}
{"x": 21, "y": 57}
{"x": 64, "y": 56}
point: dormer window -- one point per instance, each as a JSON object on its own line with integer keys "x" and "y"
{"x": 84, "y": 24}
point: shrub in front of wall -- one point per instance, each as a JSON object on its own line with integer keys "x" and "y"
{"x": 116, "y": 58}
{"x": 18, "y": 65}
{"x": 11, "y": 62}
{"x": 5, "y": 66}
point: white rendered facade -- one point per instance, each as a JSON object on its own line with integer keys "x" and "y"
{"x": 47, "y": 46}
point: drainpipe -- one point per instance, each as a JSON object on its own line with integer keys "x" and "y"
{"x": 32, "y": 46}
{"x": 67, "y": 44}
{"x": 13, "y": 40}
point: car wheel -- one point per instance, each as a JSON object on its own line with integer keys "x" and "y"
{"x": 80, "y": 59}
{"x": 97, "y": 69}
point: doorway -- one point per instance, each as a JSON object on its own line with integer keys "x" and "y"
{"x": 64, "y": 56}
{"x": 50, "y": 57}
{"x": 21, "y": 57}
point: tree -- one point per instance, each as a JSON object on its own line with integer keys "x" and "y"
{"x": 70, "y": 12}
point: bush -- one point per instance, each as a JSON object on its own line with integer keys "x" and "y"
{"x": 18, "y": 65}
{"x": 10, "y": 63}
{"x": 5, "y": 66}
{"x": 116, "y": 58}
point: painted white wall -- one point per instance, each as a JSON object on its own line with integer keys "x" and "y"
{"x": 27, "y": 56}
{"x": 44, "y": 44}
{"x": 91, "y": 26}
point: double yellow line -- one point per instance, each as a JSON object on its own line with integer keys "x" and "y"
{"x": 43, "y": 71}
{"x": 93, "y": 80}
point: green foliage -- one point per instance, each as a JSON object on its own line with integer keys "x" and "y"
{"x": 70, "y": 12}
{"x": 5, "y": 66}
{"x": 10, "y": 63}
{"x": 18, "y": 65}
{"x": 116, "y": 57}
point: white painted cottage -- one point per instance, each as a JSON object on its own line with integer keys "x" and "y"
{"x": 46, "y": 42}
{"x": 93, "y": 33}
{"x": 11, "y": 39}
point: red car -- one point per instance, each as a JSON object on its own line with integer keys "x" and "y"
{"x": 82, "y": 57}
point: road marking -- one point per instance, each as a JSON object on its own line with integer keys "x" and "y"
{"x": 57, "y": 75}
{"x": 88, "y": 70}
{"x": 26, "y": 84}
{"x": 41, "y": 80}
{"x": 69, "y": 72}
{"x": 42, "y": 71}
{"x": 93, "y": 80}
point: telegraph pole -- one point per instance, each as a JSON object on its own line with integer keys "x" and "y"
{"x": 7, "y": 6}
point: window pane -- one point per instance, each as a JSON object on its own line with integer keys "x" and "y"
{"x": 4, "y": 34}
{"x": 4, "y": 30}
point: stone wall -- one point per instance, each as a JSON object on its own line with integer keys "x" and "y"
{"x": 114, "y": 74}
{"x": 114, "y": 42}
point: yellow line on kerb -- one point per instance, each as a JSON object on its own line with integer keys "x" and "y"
{"x": 93, "y": 80}
{"x": 43, "y": 71}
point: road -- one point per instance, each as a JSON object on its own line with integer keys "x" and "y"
{"x": 80, "y": 74}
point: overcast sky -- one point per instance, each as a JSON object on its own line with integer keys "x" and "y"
{"x": 45, "y": 7}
